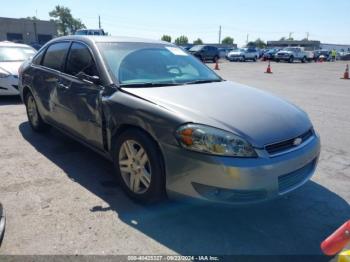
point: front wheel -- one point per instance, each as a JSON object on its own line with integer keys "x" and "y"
{"x": 291, "y": 60}
{"x": 303, "y": 60}
{"x": 215, "y": 59}
{"x": 35, "y": 120}
{"x": 139, "y": 166}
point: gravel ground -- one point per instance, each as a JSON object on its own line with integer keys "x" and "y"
{"x": 62, "y": 198}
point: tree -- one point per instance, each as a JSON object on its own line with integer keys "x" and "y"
{"x": 166, "y": 38}
{"x": 251, "y": 44}
{"x": 260, "y": 43}
{"x": 182, "y": 40}
{"x": 34, "y": 18}
{"x": 198, "y": 42}
{"x": 227, "y": 41}
{"x": 66, "y": 23}
{"x": 283, "y": 39}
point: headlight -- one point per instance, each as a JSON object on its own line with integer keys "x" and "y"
{"x": 205, "y": 139}
{"x": 3, "y": 73}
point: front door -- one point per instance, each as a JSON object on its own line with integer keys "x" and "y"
{"x": 80, "y": 98}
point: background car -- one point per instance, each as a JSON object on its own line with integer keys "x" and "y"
{"x": 90, "y": 32}
{"x": 270, "y": 54}
{"x": 205, "y": 52}
{"x": 243, "y": 55}
{"x": 2, "y": 223}
{"x": 291, "y": 54}
{"x": 11, "y": 57}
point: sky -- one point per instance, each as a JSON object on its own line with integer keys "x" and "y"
{"x": 328, "y": 21}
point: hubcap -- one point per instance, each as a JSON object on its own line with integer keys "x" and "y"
{"x": 135, "y": 167}
{"x": 32, "y": 111}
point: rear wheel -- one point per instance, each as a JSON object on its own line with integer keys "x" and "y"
{"x": 35, "y": 120}
{"x": 138, "y": 164}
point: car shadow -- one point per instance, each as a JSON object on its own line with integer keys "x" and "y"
{"x": 293, "y": 225}
{"x": 10, "y": 100}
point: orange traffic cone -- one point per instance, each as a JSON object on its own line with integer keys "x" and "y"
{"x": 268, "y": 70}
{"x": 346, "y": 73}
{"x": 217, "y": 65}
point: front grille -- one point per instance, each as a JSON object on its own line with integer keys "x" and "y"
{"x": 230, "y": 195}
{"x": 295, "y": 178}
{"x": 288, "y": 144}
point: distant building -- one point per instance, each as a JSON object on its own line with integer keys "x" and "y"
{"x": 27, "y": 31}
{"x": 307, "y": 44}
{"x": 340, "y": 48}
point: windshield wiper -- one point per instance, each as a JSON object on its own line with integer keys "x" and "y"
{"x": 148, "y": 84}
{"x": 203, "y": 81}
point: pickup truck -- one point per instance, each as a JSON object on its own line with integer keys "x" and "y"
{"x": 291, "y": 54}
{"x": 243, "y": 55}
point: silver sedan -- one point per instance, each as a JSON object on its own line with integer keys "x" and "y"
{"x": 170, "y": 124}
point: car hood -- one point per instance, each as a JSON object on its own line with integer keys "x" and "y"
{"x": 235, "y": 53}
{"x": 11, "y": 67}
{"x": 257, "y": 116}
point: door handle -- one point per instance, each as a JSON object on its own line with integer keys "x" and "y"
{"x": 63, "y": 86}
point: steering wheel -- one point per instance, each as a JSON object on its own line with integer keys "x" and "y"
{"x": 171, "y": 70}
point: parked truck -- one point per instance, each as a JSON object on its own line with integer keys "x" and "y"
{"x": 291, "y": 54}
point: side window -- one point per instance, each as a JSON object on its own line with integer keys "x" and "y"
{"x": 39, "y": 57}
{"x": 55, "y": 55}
{"x": 80, "y": 60}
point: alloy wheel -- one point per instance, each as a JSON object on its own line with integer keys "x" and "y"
{"x": 135, "y": 167}
{"x": 32, "y": 111}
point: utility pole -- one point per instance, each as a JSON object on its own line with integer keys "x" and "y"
{"x": 290, "y": 35}
{"x": 247, "y": 38}
{"x": 99, "y": 22}
{"x": 220, "y": 35}
{"x": 307, "y": 36}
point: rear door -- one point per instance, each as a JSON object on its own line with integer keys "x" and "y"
{"x": 80, "y": 98}
{"x": 46, "y": 78}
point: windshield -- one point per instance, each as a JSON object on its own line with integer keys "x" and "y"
{"x": 144, "y": 63}
{"x": 290, "y": 49}
{"x": 196, "y": 48}
{"x": 14, "y": 54}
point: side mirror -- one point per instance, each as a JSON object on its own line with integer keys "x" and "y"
{"x": 92, "y": 79}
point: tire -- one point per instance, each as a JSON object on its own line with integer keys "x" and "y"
{"x": 142, "y": 182}
{"x": 303, "y": 60}
{"x": 34, "y": 118}
{"x": 216, "y": 58}
{"x": 277, "y": 60}
{"x": 243, "y": 59}
{"x": 255, "y": 59}
{"x": 291, "y": 60}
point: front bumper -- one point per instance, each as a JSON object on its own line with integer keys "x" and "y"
{"x": 9, "y": 86}
{"x": 238, "y": 180}
{"x": 235, "y": 58}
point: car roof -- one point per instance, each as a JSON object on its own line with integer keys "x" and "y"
{"x": 109, "y": 39}
{"x": 12, "y": 44}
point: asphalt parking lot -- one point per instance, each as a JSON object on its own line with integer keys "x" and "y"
{"x": 62, "y": 198}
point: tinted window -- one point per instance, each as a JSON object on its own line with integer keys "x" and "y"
{"x": 55, "y": 55}
{"x": 38, "y": 58}
{"x": 80, "y": 60}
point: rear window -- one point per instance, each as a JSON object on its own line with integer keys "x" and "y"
{"x": 55, "y": 55}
